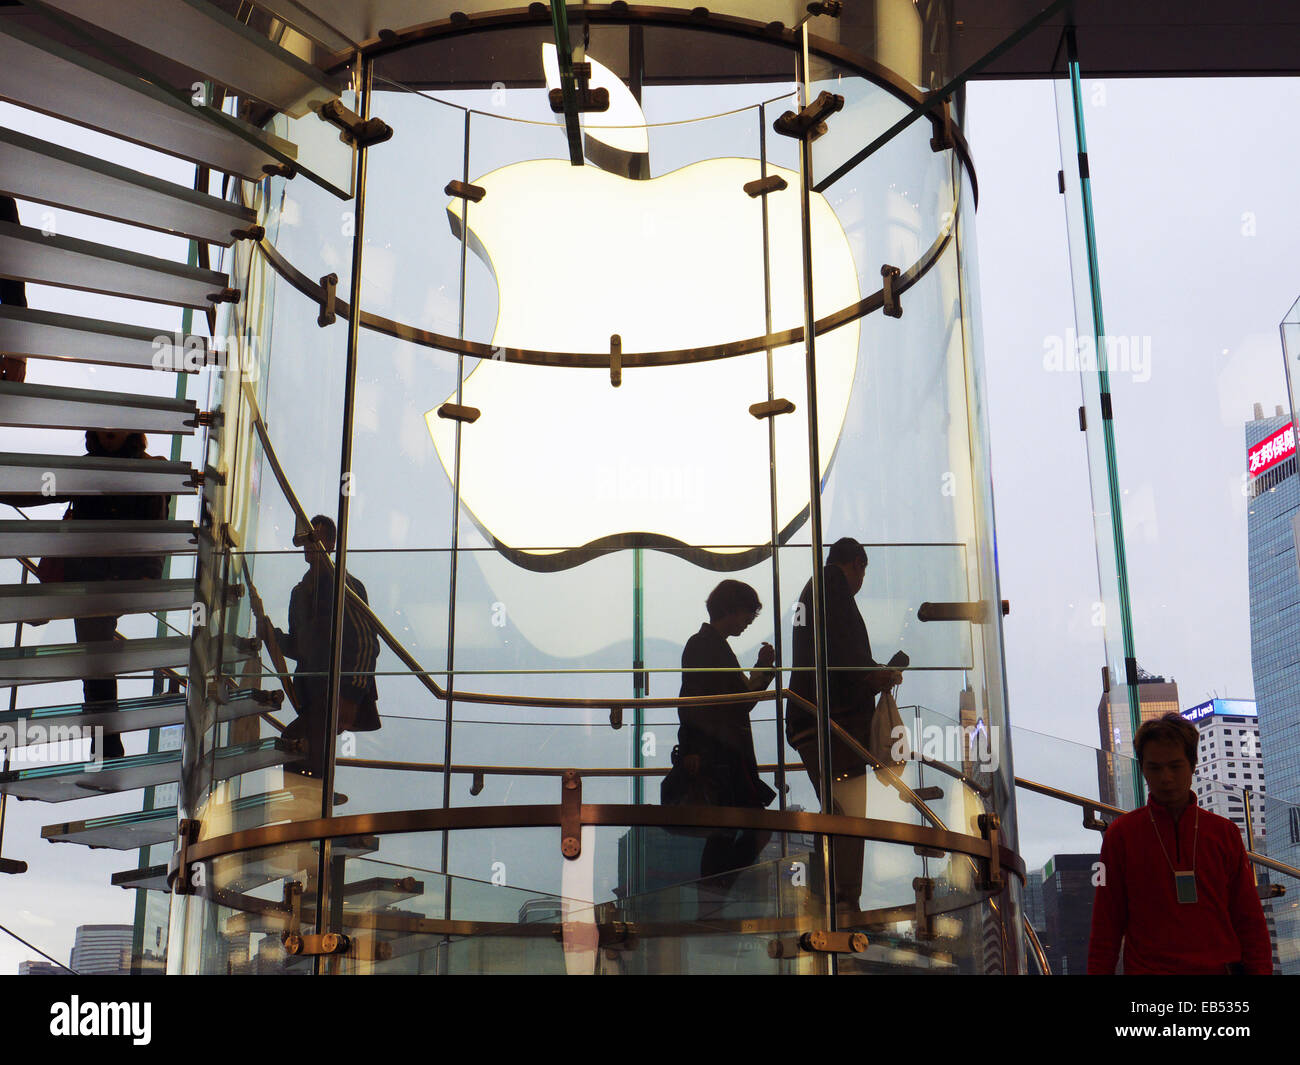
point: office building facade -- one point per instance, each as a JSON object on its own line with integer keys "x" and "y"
{"x": 1119, "y": 780}
{"x": 102, "y": 950}
{"x": 1229, "y": 775}
{"x": 1273, "y": 492}
{"x": 1068, "y": 889}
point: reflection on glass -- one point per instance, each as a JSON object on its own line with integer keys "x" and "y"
{"x": 532, "y": 578}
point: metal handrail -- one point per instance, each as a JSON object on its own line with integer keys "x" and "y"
{"x": 1040, "y": 956}
{"x": 1102, "y": 807}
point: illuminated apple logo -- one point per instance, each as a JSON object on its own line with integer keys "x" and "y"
{"x": 561, "y": 460}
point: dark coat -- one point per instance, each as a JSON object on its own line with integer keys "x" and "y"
{"x": 719, "y": 735}
{"x": 108, "y": 508}
{"x": 311, "y": 605}
{"x": 852, "y": 691}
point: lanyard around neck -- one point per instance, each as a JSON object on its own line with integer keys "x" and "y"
{"x": 1196, "y": 831}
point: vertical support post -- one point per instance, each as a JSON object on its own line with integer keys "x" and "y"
{"x": 455, "y": 540}
{"x": 640, "y": 682}
{"x": 13, "y": 704}
{"x": 1107, "y": 427}
{"x": 771, "y": 456}
{"x": 323, "y": 865}
{"x": 141, "y": 897}
{"x": 640, "y": 688}
{"x": 814, "y": 498}
{"x": 636, "y": 61}
{"x": 1250, "y": 830}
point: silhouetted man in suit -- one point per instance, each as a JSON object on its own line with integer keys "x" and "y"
{"x": 856, "y": 679}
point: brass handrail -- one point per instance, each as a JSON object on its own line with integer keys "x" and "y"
{"x": 1102, "y": 807}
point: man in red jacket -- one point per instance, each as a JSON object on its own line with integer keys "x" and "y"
{"x": 1175, "y": 884}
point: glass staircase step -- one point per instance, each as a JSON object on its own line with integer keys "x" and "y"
{"x": 81, "y": 780}
{"x": 120, "y": 832}
{"x": 246, "y": 872}
{"x": 362, "y": 898}
{"x": 251, "y": 869}
{"x": 69, "y": 262}
{"x": 374, "y": 893}
{"x": 58, "y": 80}
{"x": 33, "y": 169}
{"x": 96, "y": 539}
{"x": 91, "y": 475}
{"x": 340, "y": 25}
{"x": 131, "y": 715}
{"x": 93, "y": 599}
{"x": 27, "y": 406}
{"x": 204, "y": 37}
{"x": 50, "y": 335}
{"x": 145, "y": 828}
{"x": 150, "y": 878}
{"x": 72, "y": 661}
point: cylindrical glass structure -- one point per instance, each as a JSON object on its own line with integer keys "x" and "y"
{"x": 569, "y": 715}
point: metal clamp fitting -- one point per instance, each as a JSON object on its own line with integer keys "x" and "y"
{"x": 571, "y": 815}
{"x": 328, "y": 288}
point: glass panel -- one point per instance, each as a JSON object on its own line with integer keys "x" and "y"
{"x": 53, "y": 174}
{"x": 281, "y": 425}
{"x": 53, "y": 407}
{"x": 1290, "y": 329}
{"x": 61, "y": 336}
{"x": 33, "y": 538}
{"x": 87, "y": 475}
{"x": 1125, "y": 713}
{"x": 207, "y": 39}
{"x": 514, "y": 905}
{"x": 70, "y": 599}
{"x": 119, "y": 832}
{"x": 1061, "y": 853}
{"x": 909, "y": 480}
{"x": 321, "y": 153}
{"x": 52, "y": 259}
{"x": 531, "y": 571}
{"x": 57, "y": 80}
{"x": 71, "y": 781}
{"x": 1276, "y": 825}
{"x": 37, "y": 665}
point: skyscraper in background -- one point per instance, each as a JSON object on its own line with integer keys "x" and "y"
{"x": 1273, "y": 510}
{"x": 1068, "y": 890}
{"x": 1230, "y": 763}
{"x": 102, "y": 950}
{"x": 40, "y": 968}
{"x": 1229, "y": 780}
{"x": 1117, "y": 774}
{"x": 1033, "y": 902}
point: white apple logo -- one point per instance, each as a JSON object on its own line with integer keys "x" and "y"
{"x": 560, "y": 459}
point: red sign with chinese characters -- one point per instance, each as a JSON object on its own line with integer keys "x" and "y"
{"x": 1269, "y": 452}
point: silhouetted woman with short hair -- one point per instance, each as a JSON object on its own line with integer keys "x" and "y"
{"x": 714, "y": 761}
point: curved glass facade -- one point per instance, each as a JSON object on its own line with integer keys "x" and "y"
{"x": 564, "y": 405}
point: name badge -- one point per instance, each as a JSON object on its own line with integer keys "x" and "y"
{"x": 1185, "y": 884}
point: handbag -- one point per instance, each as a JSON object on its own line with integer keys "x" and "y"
{"x": 888, "y": 741}
{"x": 684, "y": 787}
